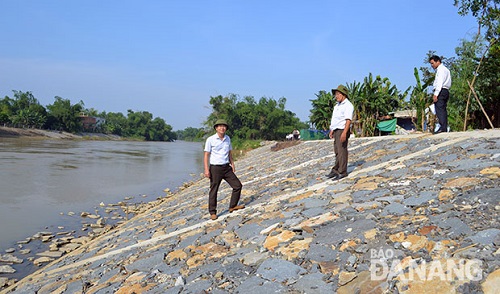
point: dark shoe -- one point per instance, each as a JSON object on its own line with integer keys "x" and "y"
{"x": 438, "y": 131}
{"x": 338, "y": 177}
{"x": 213, "y": 216}
{"x": 237, "y": 207}
{"x": 332, "y": 174}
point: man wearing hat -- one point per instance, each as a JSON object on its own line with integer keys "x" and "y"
{"x": 219, "y": 165}
{"x": 340, "y": 131}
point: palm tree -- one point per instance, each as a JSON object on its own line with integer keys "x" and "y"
{"x": 419, "y": 100}
{"x": 321, "y": 112}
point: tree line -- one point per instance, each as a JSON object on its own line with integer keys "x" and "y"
{"x": 24, "y": 110}
{"x": 473, "y": 104}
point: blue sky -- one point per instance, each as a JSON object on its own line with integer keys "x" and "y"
{"x": 170, "y": 57}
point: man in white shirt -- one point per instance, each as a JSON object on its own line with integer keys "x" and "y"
{"x": 340, "y": 131}
{"x": 219, "y": 165}
{"x": 442, "y": 84}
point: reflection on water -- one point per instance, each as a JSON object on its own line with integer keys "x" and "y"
{"x": 42, "y": 179}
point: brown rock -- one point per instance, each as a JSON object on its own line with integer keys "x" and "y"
{"x": 212, "y": 250}
{"x": 327, "y": 267}
{"x": 426, "y": 230}
{"x": 370, "y": 234}
{"x": 176, "y": 254}
{"x": 273, "y": 241}
{"x": 417, "y": 242}
{"x": 196, "y": 260}
{"x": 179, "y": 222}
{"x": 492, "y": 283}
{"x": 398, "y": 237}
{"x": 445, "y": 195}
{"x": 318, "y": 220}
{"x": 363, "y": 284}
{"x": 301, "y": 196}
{"x": 438, "y": 277}
{"x": 370, "y": 186}
{"x": 41, "y": 260}
{"x": 292, "y": 251}
{"x": 341, "y": 199}
{"x": 346, "y": 277}
{"x": 463, "y": 183}
{"x": 348, "y": 244}
{"x": 491, "y": 171}
{"x": 136, "y": 288}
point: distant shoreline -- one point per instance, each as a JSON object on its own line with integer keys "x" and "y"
{"x": 8, "y": 132}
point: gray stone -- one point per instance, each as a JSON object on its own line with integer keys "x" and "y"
{"x": 454, "y": 225}
{"x": 206, "y": 238}
{"x": 336, "y": 232}
{"x": 313, "y": 202}
{"x": 9, "y": 258}
{"x": 320, "y": 252}
{"x": 395, "y": 209}
{"x": 3, "y": 282}
{"x": 254, "y": 258}
{"x": 420, "y": 199}
{"x": 255, "y": 285}
{"x": 486, "y": 237}
{"x": 248, "y": 230}
{"x": 188, "y": 241}
{"x": 6, "y": 269}
{"x": 312, "y": 212}
{"x": 425, "y": 183}
{"x": 391, "y": 199}
{"x": 279, "y": 270}
{"x": 362, "y": 196}
{"x": 146, "y": 264}
{"x": 198, "y": 286}
{"x": 313, "y": 283}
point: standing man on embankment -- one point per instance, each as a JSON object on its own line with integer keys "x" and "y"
{"x": 340, "y": 131}
{"x": 442, "y": 84}
{"x": 219, "y": 165}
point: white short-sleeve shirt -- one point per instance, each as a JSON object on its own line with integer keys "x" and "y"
{"x": 341, "y": 112}
{"x": 218, "y": 149}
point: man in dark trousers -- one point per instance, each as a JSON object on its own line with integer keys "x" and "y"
{"x": 219, "y": 165}
{"x": 442, "y": 84}
{"x": 340, "y": 131}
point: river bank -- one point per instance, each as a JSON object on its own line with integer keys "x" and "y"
{"x": 9, "y": 132}
{"x": 410, "y": 205}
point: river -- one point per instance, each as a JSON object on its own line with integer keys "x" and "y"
{"x": 43, "y": 181}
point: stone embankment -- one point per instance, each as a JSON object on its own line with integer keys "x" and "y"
{"x": 417, "y": 214}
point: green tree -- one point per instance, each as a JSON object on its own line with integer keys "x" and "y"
{"x": 371, "y": 99}
{"x": 115, "y": 123}
{"x": 6, "y": 110}
{"x": 160, "y": 131}
{"x": 62, "y": 115}
{"x": 142, "y": 126}
{"x": 266, "y": 119}
{"x": 137, "y": 124}
{"x": 322, "y": 109}
{"x": 487, "y": 86}
{"x": 190, "y": 134}
{"x": 487, "y": 13}
{"x": 26, "y": 111}
{"x": 420, "y": 99}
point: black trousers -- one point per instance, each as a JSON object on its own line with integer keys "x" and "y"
{"x": 217, "y": 174}
{"x": 341, "y": 153}
{"x": 441, "y": 112}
